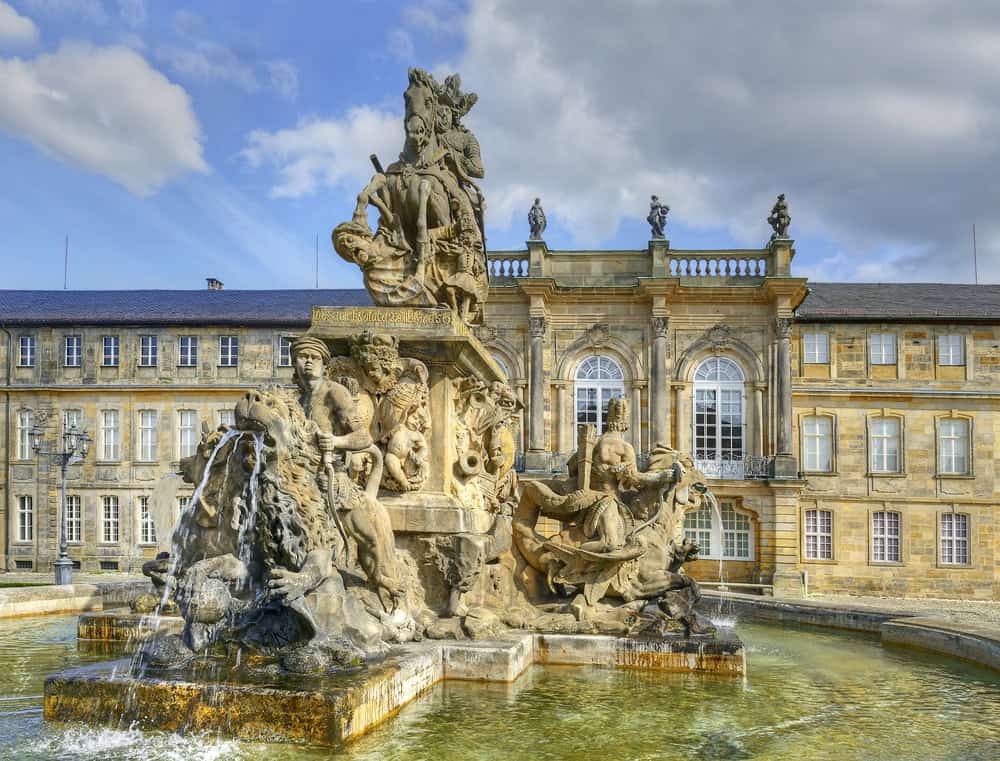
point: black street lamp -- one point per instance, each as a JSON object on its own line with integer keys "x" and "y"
{"x": 75, "y": 445}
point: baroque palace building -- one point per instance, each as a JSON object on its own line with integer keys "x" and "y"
{"x": 849, "y": 430}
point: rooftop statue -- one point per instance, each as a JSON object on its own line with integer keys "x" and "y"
{"x": 779, "y": 218}
{"x": 429, "y": 245}
{"x": 657, "y": 217}
{"x": 536, "y": 220}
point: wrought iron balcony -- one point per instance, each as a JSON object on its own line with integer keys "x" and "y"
{"x": 747, "y": 468}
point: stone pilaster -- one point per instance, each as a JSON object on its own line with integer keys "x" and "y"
{"x": 658, "y": 399}
{"x": 537, "y": 456}
{"x": 784, "y": 464}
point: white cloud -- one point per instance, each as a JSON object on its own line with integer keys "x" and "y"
{"x": 132, "y": 12}
{"x": 207, "y": 61}
{"x": 87, "y": 10}
{"x": 439, "y": 17}
{"x": 322, "y": 152}
{"x": 104, "y": 109}
{"x": 284, "y": 78}
{"x": 400, "y": 44}
{"x": 16, "y": 29}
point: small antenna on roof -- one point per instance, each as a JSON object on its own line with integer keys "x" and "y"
{"x": 975, "y": 259}
{"x": 66, "y": 264}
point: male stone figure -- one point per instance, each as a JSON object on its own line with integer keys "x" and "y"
{"x": 657, "y": 217}
{"x": 356, "y": 511}
{"x": 536, "y": 220}
{"x": 779, "y": 218}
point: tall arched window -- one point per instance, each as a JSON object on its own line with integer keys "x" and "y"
{"x": 719, "y": 418}
{"x": 598, "y": 379}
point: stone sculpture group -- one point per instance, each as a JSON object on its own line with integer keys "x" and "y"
{"x": 316, "y": 533}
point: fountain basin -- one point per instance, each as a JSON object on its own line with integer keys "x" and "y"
{"x": 118, "y": 626}
{"x": 334, "y": 710}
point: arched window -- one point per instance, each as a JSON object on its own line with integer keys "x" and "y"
{"x": 728, "y": 533}
{"x": 503, "y": 366}
{"x": 719, "y": 418}
{"x": 598, "y": 379}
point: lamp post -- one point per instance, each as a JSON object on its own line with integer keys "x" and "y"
{"x": 75, "y": 445}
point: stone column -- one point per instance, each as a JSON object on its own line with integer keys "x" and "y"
{"x": 658, "y": 407}
{"x": 758, "y": 416}
{"x": 635, "y": 421}
{"x": 680, "y": 418}
{"x": 561, "y": 421}
{"x": 522, "y": 421}
{"x": 536, "y": 457}
{"x": 784, "y": 462}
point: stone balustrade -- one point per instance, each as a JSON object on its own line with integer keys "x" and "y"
{"x": 507, "y": 265}
{"x": 727, "y": 264}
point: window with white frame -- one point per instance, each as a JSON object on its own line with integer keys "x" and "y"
{"x": 25, "y": 518}
{"x": 74, "y": 518}
{"x": 227, "y": 417}
{"x": 229, "y": 351}
{"x": 953, "y": 446}
{"x": 109, "y": 519}
{"x": 599, "y": 379}
{"x": 884, "y": 435}
{"x": 736, "y": 533}
{"x": 26, "y": 354}
{"x": 885, "y": 536}
{"x": 109, "y": 358}
{"x": 732, "y": 535}
{"x": 148, "y": 425}
{"x": 954, "y": 539}
{"x": 284, "y": 351}
{"x": 718, "y": 415}
{"x": 188, "y": 351}
{"x": 182, "y": 503}
{"x": 147, "y": 530}
{"x": 72, "y": 419}
{"x": 816, "y": 348}
{"x": 25, "y": 422}
{"x": 819, "y": 535}
{"x": 73, "y": 353}
{"x": 951, "y": 350}
{"x": 147, "y": 351}
{"x": 110, "y": 435}
{"x": 817, "y": 443}
{"x": 187, "y": 425}
{"x": 698, "y": 528}
{"x": 882, "y": 348}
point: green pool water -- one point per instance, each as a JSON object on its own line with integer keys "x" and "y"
{"x": 810, "y": 695}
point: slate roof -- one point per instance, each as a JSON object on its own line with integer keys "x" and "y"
{"x": 285, "y": 308}
{"x": 878, "y": 302}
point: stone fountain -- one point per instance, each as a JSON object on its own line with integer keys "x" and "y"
{"x": 363, "y": 535}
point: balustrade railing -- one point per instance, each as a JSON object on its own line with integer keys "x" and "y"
{"x": 507, "y": 265}
{"x": 725, "y": 264}
{"x": 748, "y": 468}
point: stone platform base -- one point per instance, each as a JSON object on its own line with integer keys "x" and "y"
{"x": 334, "y": 710}
{"x": 119, "y": 626}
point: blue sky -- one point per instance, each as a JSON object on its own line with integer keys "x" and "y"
{"x": 176, "y": 141}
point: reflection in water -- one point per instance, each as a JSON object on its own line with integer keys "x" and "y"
{"x": 811, "y": 694}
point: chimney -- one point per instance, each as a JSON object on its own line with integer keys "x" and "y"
{"x": 214, "y": 284}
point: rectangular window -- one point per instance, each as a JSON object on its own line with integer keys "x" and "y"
{"x": 816, "y": 348}
{"x": 74, "y": 518}
{"x": 284, "y": 351}
{"x": 188, "y": 356}
{"x": 951, "y": 350}
{"x": 25, "y": 422}
{"x": 72, "y": 419}
{"x": 26, "y": 355}
{"x": 954, "y": 539}
{"x": 25, "y": 519}
{"x": 817, "y": 443}
{"x": 819, "y": 535}
{"x": 885, "y": 445}
{"x": 229, "y": 351}
{"x": 147, "y": 531}
{"x": 953, "y": 447}
{"x": 698, "y": 528}
{"x": 885, "y": 537}
{"x": 110, "y": 355}
{"x": 147, "y": 435}
{"x": 735, "y": 533}
{"x": 109, "y": 519}
{"x": 74, "y": 351}
{"x": 227, "y": 418}
{"x": 187, "y": 424}
{"x": 147, "y": 351}
{"x": 110, "y": 435}
{"x": 182, "y": 503}
{"x": 882, "y": 348}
